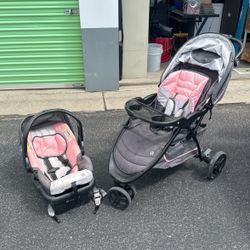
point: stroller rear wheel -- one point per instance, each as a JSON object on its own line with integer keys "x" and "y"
{"x": 216, "y": 165}
{"x": 119, "y": 198}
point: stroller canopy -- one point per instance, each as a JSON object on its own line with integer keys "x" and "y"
{"x": 212, "y": 51}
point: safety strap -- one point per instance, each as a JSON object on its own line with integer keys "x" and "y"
{"x": 63, "y": 160}
{"x": 51, "y": 171}
{"x": 174, "y": 104}
{"x": 172, "y": 99}
{"x": 98, "y": 195}
{"x": 210, "y": 106}
{"x": 76, "y": 194}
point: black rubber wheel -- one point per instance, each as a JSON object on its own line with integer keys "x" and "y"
{"x": 216, "y": 165}
{"x": 119, "y": 198}
{"x": 131, "y": 190}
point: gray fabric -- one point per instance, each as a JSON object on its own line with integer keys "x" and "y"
{"x": 84, "y": 162}
{"x": 138, "y": 146}
{"x": 45, "y": 182}
{"x": 212, "y": 45}
{"x": 80, "y": 177}
{"x": 180, "y": 149}
{"x": 178, "y": 154}
{"x": 172, "y": 106}
{"x": 210, "y": 42}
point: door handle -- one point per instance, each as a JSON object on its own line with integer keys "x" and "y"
{"x": 73, "y": 11}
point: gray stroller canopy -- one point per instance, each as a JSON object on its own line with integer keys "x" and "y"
{"x": 211, "y": 51}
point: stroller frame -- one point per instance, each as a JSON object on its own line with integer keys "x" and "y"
{"x": 123, "y": 192}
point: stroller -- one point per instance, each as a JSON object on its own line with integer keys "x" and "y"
{"x": 163, "y": 128}
{"x": 53, "y": 152}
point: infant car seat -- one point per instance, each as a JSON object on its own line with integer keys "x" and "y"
{"x": 55, "y": 157}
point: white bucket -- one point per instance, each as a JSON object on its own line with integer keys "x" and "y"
{"x": 154, "y": 56}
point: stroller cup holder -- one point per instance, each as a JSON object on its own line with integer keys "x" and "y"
{"x": 140, "y": 108}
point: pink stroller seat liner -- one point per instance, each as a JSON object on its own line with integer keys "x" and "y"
{"x": 55, "y": 154}
{"x": 180, "y": 92}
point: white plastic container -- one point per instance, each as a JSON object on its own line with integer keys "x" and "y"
{"x": 155, "y": 51}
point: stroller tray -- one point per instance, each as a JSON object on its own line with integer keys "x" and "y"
{"x": 141, "y": 109}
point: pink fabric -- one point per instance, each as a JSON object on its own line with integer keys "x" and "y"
{"x": 53, "y": 145}
{"x": 34, "y": 161}
{"x": 73, "y": 148}
{"x": 187, "y": 84}
{"x": 49, "y": 146}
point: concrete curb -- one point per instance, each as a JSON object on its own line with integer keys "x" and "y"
{"x": 23, "y": 102}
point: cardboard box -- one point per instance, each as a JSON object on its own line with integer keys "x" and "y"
{"x": 245, "y": 56}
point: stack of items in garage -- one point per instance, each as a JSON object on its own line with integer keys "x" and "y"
{"x": 159, "y": 29}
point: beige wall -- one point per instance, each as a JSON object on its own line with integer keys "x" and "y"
{"x": 135, "y": 45}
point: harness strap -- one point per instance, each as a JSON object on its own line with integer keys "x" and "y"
{"x": 185, "y": 104}
{"x": 76, "y": 194}
{"x": 51, "y": 170}
{"x": 210, "y": 106}
{"x": 174, "y": 104}
{"x": 63, "y": 160}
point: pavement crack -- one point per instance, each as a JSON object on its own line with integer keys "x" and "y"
{"x": 104, "y": 102}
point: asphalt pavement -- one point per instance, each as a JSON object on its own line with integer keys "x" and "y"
{"x": 173, "y": 209}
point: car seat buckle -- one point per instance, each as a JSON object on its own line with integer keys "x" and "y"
{"x": 98, "y": 195}
{"x": 53, "y": 170}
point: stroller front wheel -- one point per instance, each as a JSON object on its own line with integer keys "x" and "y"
{"x": 216, "y": 165}
{"x": 131, "y": 190}
{"x": 119, "y": 198}
{"x": 128, "y": 187}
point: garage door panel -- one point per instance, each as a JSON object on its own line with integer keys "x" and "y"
{"x": 39, "y": 43}
{"x": 38, "y": 47}
{"x": 52, "y": 79}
